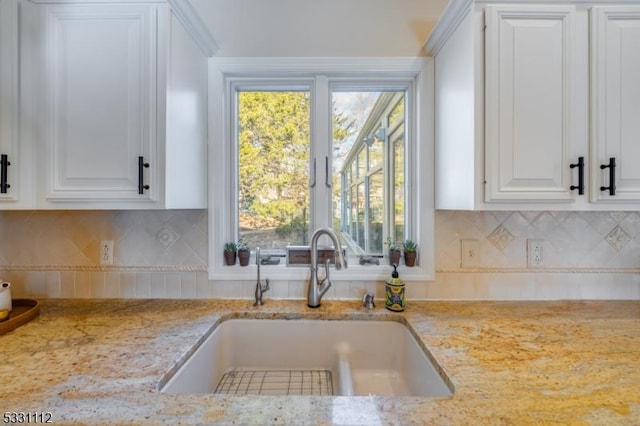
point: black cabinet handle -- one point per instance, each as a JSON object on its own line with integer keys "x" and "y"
{"x": 612, "y": 176}
{"x": 4, "y": 164}
{"x": 580, "y": 166}
{"x": 141, "y": 166}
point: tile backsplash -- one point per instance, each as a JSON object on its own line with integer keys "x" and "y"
{"x": 164, "y": 254}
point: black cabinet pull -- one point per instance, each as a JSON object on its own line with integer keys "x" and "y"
{"x": 4, "y": 164}
{"x": 580, "y": 166}
{"x": 141, "y": 166}
{"x": 612, "y": 176}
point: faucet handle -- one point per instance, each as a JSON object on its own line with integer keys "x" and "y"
{"x": 367, "y": 301}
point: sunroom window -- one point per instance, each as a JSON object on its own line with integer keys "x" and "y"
{"x": 371, "y": 194}
{"x": 295, "y": 151}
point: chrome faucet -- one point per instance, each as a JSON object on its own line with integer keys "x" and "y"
{"x": 259, "y": 288}
{"x": 318, "y": 287}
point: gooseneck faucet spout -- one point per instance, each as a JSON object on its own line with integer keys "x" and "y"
{"x": 260, "y": 289}
{"x": 318, "y": 287}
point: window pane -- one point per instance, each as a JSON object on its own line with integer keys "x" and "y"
{"x": 361, "y": 215}
{"x": 376, "y": 213}
{"x": 376, "y": 153}
{"x": 368, "y": 144}
{"x": 398, "y": 185}
{"x": 273, "y": 156}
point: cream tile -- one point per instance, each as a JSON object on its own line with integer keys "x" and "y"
{"x": 52, "y": 283}
{"x": 204, "y": 287}
{"x": 173, "y": 285}
{"x": 188, "y": 289}
{"x": 128, "y": 284}
{"x": 157, "y": 285}
{"x": 112, "y": 284}
{"x": 297, "y": 290}
{"x": 83, "y": 285}
{"x": 67, "y": 284}
{"x": 143, "y": 285}
{"x": 235, "y": 289}
{"x": 218, "y": 290}
{"x": 97, "y": 285}
{"x": 34, "y": 284}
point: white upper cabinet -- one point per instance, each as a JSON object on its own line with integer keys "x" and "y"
{"x": 16, "y": 165}
{"x": 530, "y": 66}
{"x": 100, "y": 91}
{"x": 121, "y": 98}
{"x": 514, "y": 104}
{"x": 615, "y": 107}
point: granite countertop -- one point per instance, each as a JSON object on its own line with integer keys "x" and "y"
{"x": 100, "y": 361}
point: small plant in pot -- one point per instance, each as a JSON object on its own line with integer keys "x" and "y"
{"x": 410, "y": 252}
{"x": 244, "y": 253}
{"x": 394, "y": 252}
{"x": 230, "y": 254}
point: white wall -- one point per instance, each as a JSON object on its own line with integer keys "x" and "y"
{"x": 320, "y": 27}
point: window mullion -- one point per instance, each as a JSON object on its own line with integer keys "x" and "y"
{"x": 321, "y": 204}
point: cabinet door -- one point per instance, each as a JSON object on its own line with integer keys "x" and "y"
{"x": 529, "y": 76}
{"x": 615, "y": 107}
{"x": 100, "y": 99}
{"x": 9, "y": 164}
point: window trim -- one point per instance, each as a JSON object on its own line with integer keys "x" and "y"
{"x": 420, "y": 198}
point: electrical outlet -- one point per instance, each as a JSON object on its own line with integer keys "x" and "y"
{"x": 535, "y": 253}
{"x": 106, "y": 252}
{"x": 469, "y": 253}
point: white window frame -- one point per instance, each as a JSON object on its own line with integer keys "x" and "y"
{"x": 223, "y": 72}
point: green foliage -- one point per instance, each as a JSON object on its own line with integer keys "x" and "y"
{"x": 297, "y": 229}
{"x": 230, "y": 247}
{"x": 410, "y": 246}
{"x": 393, "y": 246}
{"x": 242, "y": 245}
{"x": 274, "y": 154}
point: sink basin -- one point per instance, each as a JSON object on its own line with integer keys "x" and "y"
{"x": 309, "y": 357}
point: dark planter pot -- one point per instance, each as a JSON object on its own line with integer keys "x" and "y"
{"x": 410, "y": 258}
{"x": 243, "y": 257}
{"x": 229, "y": 258}
{"x": 394, "y": 258}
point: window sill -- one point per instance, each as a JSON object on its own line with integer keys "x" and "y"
{"x": 297, "y": 273}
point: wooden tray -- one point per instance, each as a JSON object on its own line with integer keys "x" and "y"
{"x": 24, "y": 310}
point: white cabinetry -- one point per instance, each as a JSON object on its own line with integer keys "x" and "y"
{"x": 121, "y": 94}
{"x": 615, "y": 107}
{"x": 530, "y": 69}
{"x": 16, "y": 165}
{"x": 513, "y": 106}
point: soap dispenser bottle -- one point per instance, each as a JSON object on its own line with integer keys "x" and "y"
{"x": 394, "y": 289}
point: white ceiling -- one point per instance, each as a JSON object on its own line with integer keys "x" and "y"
{"x": 320, "y": 27}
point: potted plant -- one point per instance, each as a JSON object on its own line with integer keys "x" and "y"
{"x": 244, "y": 253}
{"x": 394, "y": 252}
{"x": 410, "y": 252}
{"x": 230, "y": 253}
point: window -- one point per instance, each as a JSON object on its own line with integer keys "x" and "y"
{"x": 274, "y": 141}
{"x": 370, "y": 197}
{"x": 293, "y": 149}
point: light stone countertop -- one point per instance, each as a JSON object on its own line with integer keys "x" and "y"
{"x": 101, "y": 361}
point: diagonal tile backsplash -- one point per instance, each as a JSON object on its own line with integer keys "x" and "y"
{"x": 164, "y": 254}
